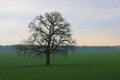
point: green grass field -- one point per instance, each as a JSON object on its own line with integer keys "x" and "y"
{"x": 78, "y": 66}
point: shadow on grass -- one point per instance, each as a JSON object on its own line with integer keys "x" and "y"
{"x": 30, "y": 65}
{"x": 57, "y": 65}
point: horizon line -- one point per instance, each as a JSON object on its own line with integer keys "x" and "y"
{"x": 75, "y": 45}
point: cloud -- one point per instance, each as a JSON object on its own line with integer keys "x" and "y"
{"x": 88, "y": 18}
{"x": 80, "y": 10}
{"x": 12, "y": 32}
{"x": 13, "y": 38}
{"x": 15, "y": 6}
{"x": 10, "y": 24}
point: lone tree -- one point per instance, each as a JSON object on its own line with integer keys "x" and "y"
{"x": 50, "y": 34}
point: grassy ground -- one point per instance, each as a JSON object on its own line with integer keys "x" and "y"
{"x": 78, "y": 66}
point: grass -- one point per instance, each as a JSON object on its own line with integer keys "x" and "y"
{"x": 78, "y": 66}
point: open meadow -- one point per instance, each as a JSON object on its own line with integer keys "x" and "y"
{"x": 75, "y": 66}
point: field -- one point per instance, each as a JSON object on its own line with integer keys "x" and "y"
{"x": 76, "y": 66}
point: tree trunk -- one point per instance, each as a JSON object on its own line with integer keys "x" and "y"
{"x": 47, "y": 59}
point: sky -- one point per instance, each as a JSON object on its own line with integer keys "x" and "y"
{"x": 94, "y": 22}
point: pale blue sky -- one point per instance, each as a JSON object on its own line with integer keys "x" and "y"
{"x": 94, "y": 22}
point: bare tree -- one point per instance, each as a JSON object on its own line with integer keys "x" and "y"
{"x": 51, "y": 34}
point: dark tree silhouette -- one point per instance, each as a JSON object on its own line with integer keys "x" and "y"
{"x": 51, "y": 34}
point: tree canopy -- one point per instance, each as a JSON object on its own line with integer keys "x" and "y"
{"x": 50, "y": 34}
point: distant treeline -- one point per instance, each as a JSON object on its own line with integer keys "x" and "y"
{"x": 98, "y": 48}
{"x": 11, "y": 48}
{"x": 77, "y": 48}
